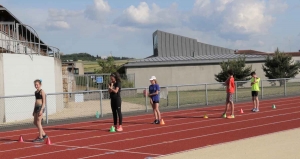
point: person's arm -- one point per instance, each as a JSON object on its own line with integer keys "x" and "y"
{"x": 43, "y": 102}
{"x": 109, "y": 89}
{"x": 33, "y": 109}
{"x": 255, "y": 80}
{"x": 116, "y": 90}
{"x": 156, "y": 92}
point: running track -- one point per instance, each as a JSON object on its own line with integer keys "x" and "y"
{"x": 184, "y": 130}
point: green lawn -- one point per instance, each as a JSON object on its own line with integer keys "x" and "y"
{"x": 214, "y": 95}
{"x": 89, "y": 66}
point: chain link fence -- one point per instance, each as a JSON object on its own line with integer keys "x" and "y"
{"x": 92, "y": 104}
{"x": 91, "y": 82}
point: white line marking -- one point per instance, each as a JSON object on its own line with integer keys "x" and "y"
{"x": 57, "y": 143}
{"x": 229, "y": 123}
{"x": 215, "y": 133}
{"x": 79, "y": 123}
{"x": 223, "y": 143}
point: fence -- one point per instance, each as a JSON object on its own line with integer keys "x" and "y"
{"x": 17, "y": 110}
{"x": 89, "y": 82}
{"x": 23, "y": 39}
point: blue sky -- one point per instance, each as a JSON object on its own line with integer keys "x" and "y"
{"x": 125, "y": 27}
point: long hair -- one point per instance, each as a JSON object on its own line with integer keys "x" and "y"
{"x": 116, "y": 75}
{"x": 155, "y": 80}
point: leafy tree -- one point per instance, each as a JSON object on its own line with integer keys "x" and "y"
{"x": 107, "y": 66}
{"x": 238, "y": 66}
{"x": 280, "y": 65}
{"x": 75, "y": 58}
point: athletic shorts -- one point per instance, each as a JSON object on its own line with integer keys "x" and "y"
{"x": 155, "y": 102}
{"x": 38, "y": 108}
{"x": 254, "y": 93}
{"x": 229, "y": 97}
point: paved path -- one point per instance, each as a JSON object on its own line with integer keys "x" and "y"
{"x": 281, "y": 145}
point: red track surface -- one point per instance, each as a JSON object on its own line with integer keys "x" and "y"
{"x": 184, "y": 130}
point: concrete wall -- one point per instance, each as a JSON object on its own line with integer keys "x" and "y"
{"x": 80, "y": 67}
{"x": 176, "y": 45}
{"x": 19, "y": 73}
{"x": 2, "y": 101}
{"x": 182, "y": 75}
{"x": 58, "y": 84}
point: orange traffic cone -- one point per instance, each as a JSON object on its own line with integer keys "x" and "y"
{"x": 242, "y": 111}
{"x": 48, "y": 142}
{"x": 162, "y": 122}
{"x": 21, "y": 139}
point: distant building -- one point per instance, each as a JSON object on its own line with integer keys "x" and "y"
{"x": 178, "y": 60}
{"x": 76, "y": 68}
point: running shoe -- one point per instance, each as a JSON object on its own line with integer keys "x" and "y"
{"x": 155, "y": 121}
{"x": 224, "y": 115}
{"x": 38, "y": 140}
{"x": 230, "y": 117}
{"x": 256, "y": 110}
{"x": 253, "y": 109}
{"x": 119, "y": 128}
{"x": 45, "y": 136}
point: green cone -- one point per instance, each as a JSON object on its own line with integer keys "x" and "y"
{"x": 274, "y": 107}
{"x": 112, "y": 129}
{"x": 97, "y": 114}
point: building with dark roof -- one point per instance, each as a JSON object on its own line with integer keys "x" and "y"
{"x": 178, "y": 60}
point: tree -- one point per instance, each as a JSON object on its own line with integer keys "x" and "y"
{"x": 238, "y": 66}
{"x": 280, "y": 65}
{"x": 107, "y": 66}
{"x": 75, "y": 58}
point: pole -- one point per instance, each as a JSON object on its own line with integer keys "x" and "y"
{"x": 101, "y": 112}
{"x": 146, "y": 101}
{"x": 46, "y": 106}
{"x": 236, "y": 92}
{"x": 206, "y": 95}
{"x": 178, "y": 100}
{"x": 262, "y": 89}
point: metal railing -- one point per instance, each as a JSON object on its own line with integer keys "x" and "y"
{"x": 69, "y": 106}
{"x": 89, "y": 82}
{"x": 23, "y": 39}
{"x": 26, "y": 47}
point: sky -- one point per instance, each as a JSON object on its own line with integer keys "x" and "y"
{"x": 124, "y": 28}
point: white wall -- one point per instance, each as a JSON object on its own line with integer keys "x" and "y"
{"x": 181, "y": 75}
{"x": 19, "y": 73}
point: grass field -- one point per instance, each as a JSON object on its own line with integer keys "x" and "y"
{"x": 90, "y": 66}
{"x": 193, "y": 97}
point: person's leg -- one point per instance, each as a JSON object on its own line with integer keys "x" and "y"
{"x": 154, "y": 112}
{"x": 257, "y": 103}
{"x": 157, "y": 111}
{"x": 38, "y": 123}
{"x": 114, "y": 111}
{"x": 231, "y": 106}
{"x": 226, "y": 106}
{"x": 253, "y": 101}
{"x": 35, "y": 120}
{"x": 119, "y": 102}
{"x": 40, "y": 127}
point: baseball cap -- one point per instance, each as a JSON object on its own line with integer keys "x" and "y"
{"x": 152, "y": 78}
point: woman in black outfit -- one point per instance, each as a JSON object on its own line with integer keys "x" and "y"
{"x": 115, "y": 99}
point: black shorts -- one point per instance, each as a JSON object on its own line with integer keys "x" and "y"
{"x": 37, "y": 109}
{"x": 155, "y": 102}
{"x": 254, "y": 93}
